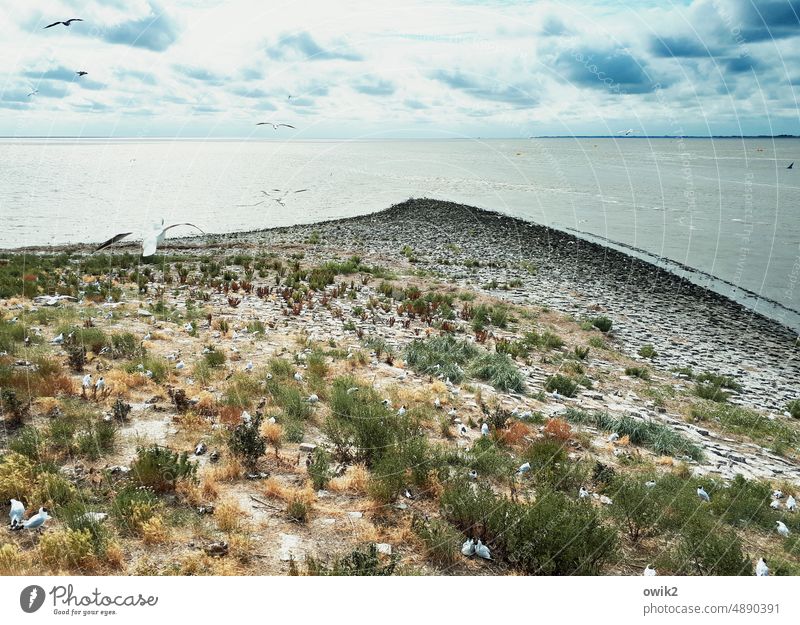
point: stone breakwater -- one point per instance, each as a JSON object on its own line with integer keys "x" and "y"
{"x": 689, "y": 326}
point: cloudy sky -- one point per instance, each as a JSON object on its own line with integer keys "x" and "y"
{"x": 416, "y": 68}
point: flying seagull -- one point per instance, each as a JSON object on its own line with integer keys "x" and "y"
{"x": 81, "y": 73}
{"x": 791, "y": 166}
{"x": 275, "y": 126}
{"x": 34, "y": 92}
{"x": 150, "y": 241}
{"x": 66, "y": 23}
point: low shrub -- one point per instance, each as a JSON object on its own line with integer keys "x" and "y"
{"x": 441, "y": 540}
{"x": 160, "y": 469}
{"x": 555, "y": 535}
{"x": 246, "y": 441}
{"x": 562, "y": 385}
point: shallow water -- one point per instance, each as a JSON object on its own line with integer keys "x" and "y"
{"x": 728, "y": 208}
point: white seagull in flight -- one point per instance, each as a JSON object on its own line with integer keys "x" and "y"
{"x": 276, "y": 126}
{"x": 150, "y": 241}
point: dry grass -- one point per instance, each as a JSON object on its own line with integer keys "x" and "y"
{"x": 354, "y": 480}
{"x": 155, "y": 531}
{"x": 273, "y": 432}
{"x": 121, "y": 382}
{"x": 206, "y": 403}
{"x": 229, "y": 470}
{"x": 229, "y": 517}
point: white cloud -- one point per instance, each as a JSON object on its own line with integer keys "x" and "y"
{"x": 490, "y": 68}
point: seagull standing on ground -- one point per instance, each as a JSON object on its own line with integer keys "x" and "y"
{"x": 16, "y": 513}
{"x": 485, "y": 430}
{"x": 703, "y": 494}
{"x": 762, "y": 570}
{"x": 524, "y": 468}
{"x": 468, "y": 548}
{"x": 482, "y": 551}
{"x": 649, "y": 571}
{"x": 780, "y": 526}
{"x": 583, "y": 493}
{"x": 791, "y": 504}
{"x": 66, "y": 22}
{"x": 36, "y": 521}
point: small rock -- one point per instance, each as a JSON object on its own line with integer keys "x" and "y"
{"x": 216, "y": 549}
{"x": 307, "y": 447}
{"x": 384, "y": 548}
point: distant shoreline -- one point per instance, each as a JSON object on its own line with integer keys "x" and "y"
{"x": 376, "y": 139}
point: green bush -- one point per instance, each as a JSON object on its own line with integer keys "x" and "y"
{"x": 740, "y": 420}
{"x": 246, "y": 441}
{"x": 499, "y": 371}
{"x": 744, "y": 503}
{"x": 793, "y": 408}
{"x": 648, "y": 351}
{"x": 706, "y": 549}
{"x": 659, "y": 437}
{"x": 132, "y": 506}
{"x": 551, "y": 468}
{"x": 555, "y": 535}
{"x": 126, "y": 345}
{"x": 160, "y": 468}
{"x": 357, "y": 563}
{"x": 602, "y": 323}
{"x": 562, "y": 384}
{"x": 214, "y": 358}
{"x": 442, "y": 541}
{"x": 320, "y": 468}
{"x": 638, "y": 372}
{"x": 636, "y": 508}
{"x": 442, "y": 356}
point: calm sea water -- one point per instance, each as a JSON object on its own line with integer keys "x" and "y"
{"x": 728, "y": 209}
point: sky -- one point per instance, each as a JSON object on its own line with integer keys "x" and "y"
{"x": 416, "y": 68}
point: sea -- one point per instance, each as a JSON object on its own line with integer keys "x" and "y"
{"x": 724, "y": 213}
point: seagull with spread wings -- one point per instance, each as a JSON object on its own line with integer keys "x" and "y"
{"x": 81, "y": 73}
{"x": 150, "y": 241}
{"x": 66, "y": 23}
{"x": 275, "y": 126}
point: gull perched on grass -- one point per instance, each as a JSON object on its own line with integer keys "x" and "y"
{"x": 298, "y": 377}
{"x": 313, "y": 398}
{"x": 485, "y": 429}
{"x": 16, "y": 513}
{"x": 791, "y": 504}
{"x": 36, "y": 521}
{"x": 762, "y": 570}
{"x": 650, "y": 484}
{"x": 468, "y": 548}
{"x": 473, "y": 475}
{"x": 524, "y": 468}
{"x": 150, "y": 240}
{"x": 781, "y": 528}
{"x": 482, "y": 551}
{"x": 701, "y": 492}
{"x": 649, "y": 571}
{"x": 583, "y": 493}
{"x": 775, "y": 504}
